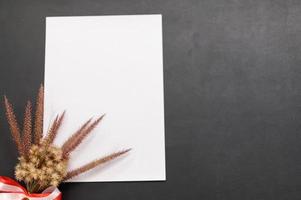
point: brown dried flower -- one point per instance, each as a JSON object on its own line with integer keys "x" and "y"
{"x": 41, "y": 164}
{"x": 13, "y": 125}
{"x": 27, "y": 126}
{"x": 52, "y": 133}
{"x": 38, "y": 126}
{"x": 44, "y": 167}
{"x": 94, "y": 164}
{"x": 76, "y": 139}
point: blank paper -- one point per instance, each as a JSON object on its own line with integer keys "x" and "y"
{"x": 112, "y": 65}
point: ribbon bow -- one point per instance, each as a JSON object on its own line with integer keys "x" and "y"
{"x": 12, "y": 190}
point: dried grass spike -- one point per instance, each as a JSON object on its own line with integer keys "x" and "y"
{"x": 73, "y": 137}
{"x": 13, "y": 124}
{"x": 38, "y": 126}
{"x": 27, "y": 128}
{"x": 81, "y": 136}
{"x": 54, "y": 129}
{"x": 94, "y": 164}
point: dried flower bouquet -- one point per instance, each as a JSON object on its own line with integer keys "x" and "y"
{"x": 41, "y": 163}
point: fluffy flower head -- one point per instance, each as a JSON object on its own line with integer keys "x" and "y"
{"x": 45, "y": 165}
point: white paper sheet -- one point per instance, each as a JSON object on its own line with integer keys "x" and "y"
{"x": 113, "y": 65}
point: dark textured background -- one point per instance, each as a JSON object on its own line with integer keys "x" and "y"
{"x": 232, "y": 94}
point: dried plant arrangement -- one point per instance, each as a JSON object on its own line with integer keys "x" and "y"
{"x": 41, "y": 163}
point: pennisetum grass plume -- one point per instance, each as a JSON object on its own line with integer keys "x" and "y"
{"x": 75, "y": 140}
{"x": 13, "y": 125}
{"x": 38, "y": 125}
{"x": 94, "y": 164}
{"x": 27, "y": 126}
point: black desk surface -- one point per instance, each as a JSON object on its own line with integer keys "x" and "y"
{"x": 232, "y": 94}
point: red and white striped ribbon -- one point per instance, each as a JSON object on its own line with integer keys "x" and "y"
{"x": 12, "y": 190}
